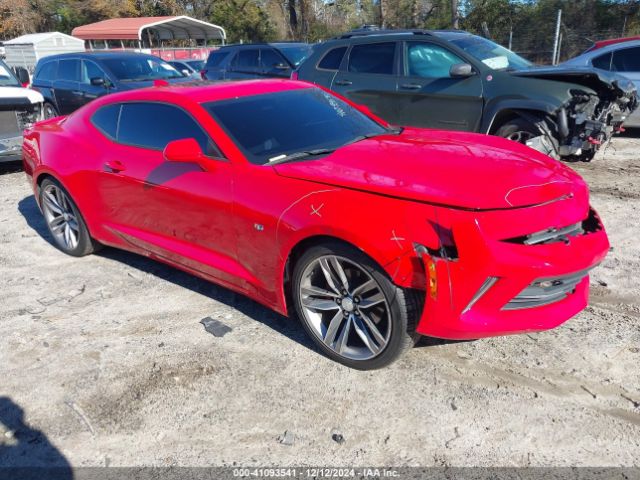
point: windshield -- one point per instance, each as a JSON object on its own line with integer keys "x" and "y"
{"x": 295, "y": 54}
{"x": 7, "y": 78}
{"x": 491, "y": 54}
{"x": 270, "y": 126}
{"x": 137, "y": 69}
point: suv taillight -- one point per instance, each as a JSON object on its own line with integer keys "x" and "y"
{"x": 203, "y": 74}
{"x": 294, "y": 75}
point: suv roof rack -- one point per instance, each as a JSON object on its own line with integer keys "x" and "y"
{"x": 368, "y": 31}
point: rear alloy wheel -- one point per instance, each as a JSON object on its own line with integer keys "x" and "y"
{"x": 519, "y": 130}
{"x": 64, "y": 221}
{"x": 49, "y": 111}
{"x": 351, "y": 309}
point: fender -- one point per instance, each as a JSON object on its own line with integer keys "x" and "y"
{"x": 497, "y": 106}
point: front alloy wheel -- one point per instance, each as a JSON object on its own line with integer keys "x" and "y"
{"x": 351, "y": 309}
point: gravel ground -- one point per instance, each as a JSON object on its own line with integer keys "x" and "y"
{"x": 108, "y": 361}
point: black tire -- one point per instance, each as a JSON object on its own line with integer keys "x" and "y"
{"x": 519, "y": 130}
{"x": 404, "y": 306}
{"x": 49, "y": 111}
{"x": 85, "y": 243}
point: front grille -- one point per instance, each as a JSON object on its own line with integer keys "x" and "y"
{"x": 546, "y": 291}
{"x": 591, "y": 224}
{"x": 9, "y": 126}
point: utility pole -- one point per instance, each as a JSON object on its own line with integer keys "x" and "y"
{"x": 557, "y": 37}
{"x": 455, "y": 18}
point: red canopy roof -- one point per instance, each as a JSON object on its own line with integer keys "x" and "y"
{"x": 165, "y": 28}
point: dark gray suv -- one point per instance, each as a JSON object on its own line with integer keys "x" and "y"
{"x": 255, "y": 60}
{"x": 458, "y": 81}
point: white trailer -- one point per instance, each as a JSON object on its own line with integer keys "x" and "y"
{"x": 25, "y": 51}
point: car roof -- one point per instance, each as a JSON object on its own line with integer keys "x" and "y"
{"x": 98, "y": 55}
{"x": 261, "y": 44}
{"x": 207, "y": 91}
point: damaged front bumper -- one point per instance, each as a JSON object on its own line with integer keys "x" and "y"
{"x": 16, "y": 115}
{"x": 501, "y": 281}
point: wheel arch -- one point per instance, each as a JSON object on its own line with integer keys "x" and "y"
{"x": 501, "y": 112}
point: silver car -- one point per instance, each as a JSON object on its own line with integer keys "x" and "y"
{"x": 621, "y": 56}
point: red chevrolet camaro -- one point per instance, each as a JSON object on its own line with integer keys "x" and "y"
{"x": 305, "y": 202}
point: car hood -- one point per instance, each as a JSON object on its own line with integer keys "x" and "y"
{"x": 17, "y": 97}
{"x": 454, "y": 169}
{"x": 598, "y": 80}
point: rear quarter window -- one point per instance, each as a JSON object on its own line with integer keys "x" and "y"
{"x": 332, "y": 59}
{"x": 47, "y": 71}
{"x": 216, "y": 58}
{"x": 106, "y": 119}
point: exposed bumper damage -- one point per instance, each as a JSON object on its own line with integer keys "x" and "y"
{"x": 494, "y": 280}
{"x": 16, "y": 115}
{"x": 591, "y": 116}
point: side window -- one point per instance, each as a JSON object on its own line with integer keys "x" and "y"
{"x": 626, "y": 60}
{"x": 603, "y": 61}
{"x": 332, "y": 59}
{"x": 247, "y": 59}
{"x": 154, "y": 125}
{"x": 216, "y": 58}
{"x": 429, "y": 61}
{"x": 105, "y": 119}
{"x": 91, "y": 70}
{"x": 372, "y": 58}
{"x": 269, "y": 58}
{"x": 69, "y": 70}
{"x": 47, "y": 71}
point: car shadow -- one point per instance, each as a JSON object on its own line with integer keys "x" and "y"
{"x": 252, "y": 309}
{"x": 25, "y": 452}
{"x": 10, "y": 167}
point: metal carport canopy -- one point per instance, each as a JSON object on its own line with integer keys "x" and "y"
{"x": 165, "y": 28}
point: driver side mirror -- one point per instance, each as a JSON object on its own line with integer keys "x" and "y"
{"x": 23, "y": 76}
{"x": 460, "y": 70}
{"x": 185, "y": 72}
{"x": 186, "y": 150}
{"x": 98, "y": 81}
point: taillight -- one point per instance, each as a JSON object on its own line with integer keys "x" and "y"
{"x": 203, "y": 74}
{"x": 294, "y": 75}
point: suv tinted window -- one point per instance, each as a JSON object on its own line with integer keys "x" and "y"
{"x": 332, "y": 59}
{"x": 69, "y": 70}
{"x": 269, "y": 58}
{"x": 105, "y": 119}
{"x": 154, "y": 125}
{"x": 247, "y": 59}
{"x": 216, "y": 58}
{"x": 626, "y": 60}
{"x": 47, "y": 71}
{"x": 429, "y": 61}
{"x": 603, "y": 61}
{"x": 372, "y": 58}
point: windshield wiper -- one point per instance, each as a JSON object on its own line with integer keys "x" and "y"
{"x": 298, "y": 156}
{"x": 388, "y": 131}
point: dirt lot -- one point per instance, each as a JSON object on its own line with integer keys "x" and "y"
{"x": 106, "y": 357}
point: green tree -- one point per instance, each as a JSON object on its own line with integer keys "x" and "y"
{"x": 243, "y": 20}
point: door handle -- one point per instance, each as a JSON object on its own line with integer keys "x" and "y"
{"x": 344, "y": 82}
{"x": 411, "y": 86}
{"x": 77, "y": 92}
{"x": 114, "y": 166}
